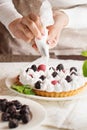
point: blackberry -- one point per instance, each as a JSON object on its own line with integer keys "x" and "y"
{"x": 14, "y": 112}
{"x": 54, "y": 74}
{"x": 34, "y": 68}
{"x": 17, "y": 104}
{"x": 27, "y": 69}
{"x": 16, "y": 115}
{"x": 25, "y": 118}
{"x": 3, "y": 105}
{"x": 10, "y": 103}
{"x": 13, "y": 123}
{"x": 11, "y": 109}
{"x": 0, "y": 104}
{"x": 60, "y": 67}
{"x": 52, "y": 68}
{"x": 68, "y": 78}
{"x": 5, "y": 116}
{"x": 73, "y": 73}
{"x": 42, "y": 77}
{"x": 25, "y": 109}
{"x": 38, "y": 85}
{"x": 73, "y": 68}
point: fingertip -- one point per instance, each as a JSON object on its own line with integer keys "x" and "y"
{"x": 35, "y": 47}
{"x": 39, "y": 37}
{"x": 43, "y": 32}
{"x": 49, "y": 42}
{"x": 52, "y": 43}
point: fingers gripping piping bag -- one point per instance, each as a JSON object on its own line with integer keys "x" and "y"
{"x": 46, "y": 16}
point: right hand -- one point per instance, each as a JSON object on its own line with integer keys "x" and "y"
{"x": 27, "y": 28}
{"x": 54, "y": 31}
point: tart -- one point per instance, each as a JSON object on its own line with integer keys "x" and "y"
{"x": 53, "y": 81}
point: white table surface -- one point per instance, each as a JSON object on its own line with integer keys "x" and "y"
{"x": 10, "y": 69}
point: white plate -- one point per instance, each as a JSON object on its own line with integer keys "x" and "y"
{"x": 37, "y": 110}
{"x": 10, "y": 81}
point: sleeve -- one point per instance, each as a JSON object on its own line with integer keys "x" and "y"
{"x": 8, "y": 13}
{"x": 77, "y": 17}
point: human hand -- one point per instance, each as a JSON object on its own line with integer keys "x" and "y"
{"x": 54, "y": 31}
{"x": 27, "y": 28}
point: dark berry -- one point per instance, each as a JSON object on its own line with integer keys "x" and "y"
{"x": 0, "y": 104}
{"x": 52, "y": 68}
{"x": 3, "y": 105}
{"x": 11, "y": 109}
{"x": 5, "y": 116}
{"x": 74, "y": 73}
{"x": 68, "y": 78}
{"x": 34, "y": 67}
{"x": 25, "y": 118}
{"x": 27, "y": 69}
{"x": 25, "y": 109}
{"x": 54, "y": 74}
{"x": 17, "y": 104}
{"x": 10, "y": 104}
{"x": 42, "y": 77}
{"x": 16, "y": 115}
{"x": 38, "y": 85}
{"x": 60, "y": 67}
{"x": 13, "y": 123}
{"x": 73, "y": 68}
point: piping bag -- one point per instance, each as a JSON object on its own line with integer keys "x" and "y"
{"x": 46, "y": 17}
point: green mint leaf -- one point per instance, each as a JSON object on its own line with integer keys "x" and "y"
{"x": 84, "y": 68}
{"x": 28, "y": 91}
{"x": 18, "y": 88}
{"x": 84, "y": 53}
{"x": 23, "y": 89}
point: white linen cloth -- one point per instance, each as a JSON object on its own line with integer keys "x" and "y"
{"x": 68, "y": 114}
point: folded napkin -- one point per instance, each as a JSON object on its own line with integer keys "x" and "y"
{"x": 68, "y": 114}
{"x": 56, "y": 116}
{"x": 46, "y": 16}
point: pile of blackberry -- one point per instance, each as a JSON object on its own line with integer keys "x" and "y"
{"x": 14, "y": 112}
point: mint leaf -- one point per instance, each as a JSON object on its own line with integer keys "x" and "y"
{"x": 84, "y": 53}
{"x": 84, "y": 68}
{"x": 18, "y": 88}
{"x": 23, "y": 89}
{"x": 28, "y": 91}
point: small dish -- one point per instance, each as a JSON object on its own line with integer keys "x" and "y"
{"x": 37, "y": 110}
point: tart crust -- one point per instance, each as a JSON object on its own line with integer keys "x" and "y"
{"x": 59, "y": 94}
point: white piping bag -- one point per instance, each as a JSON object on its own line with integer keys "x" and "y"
{"x": 46, "y": 16}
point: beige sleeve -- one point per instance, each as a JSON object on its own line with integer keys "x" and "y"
{"x": 8, "y": 13}
{"x": 77, "y": 17}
